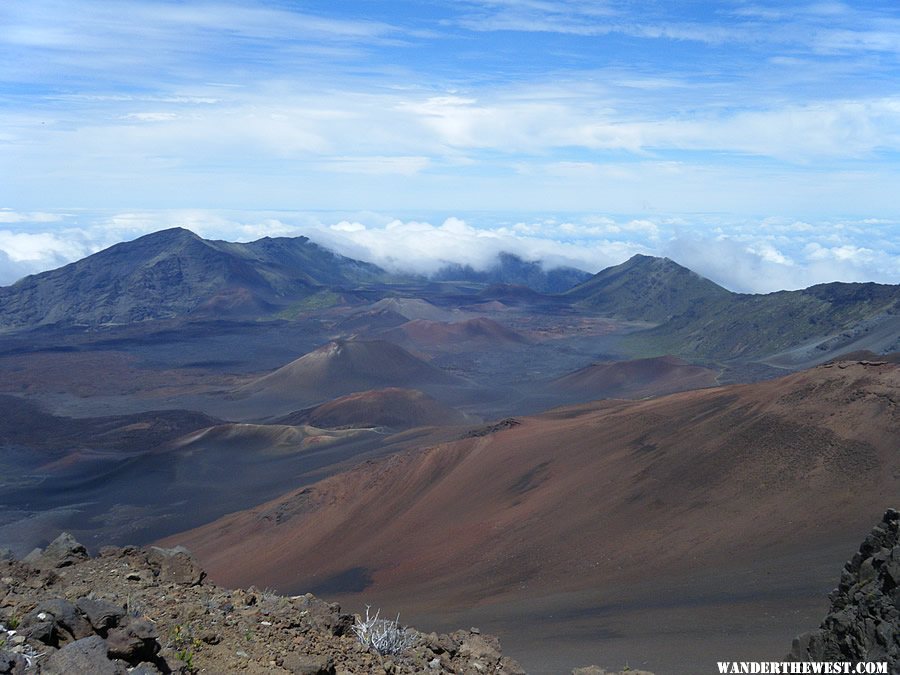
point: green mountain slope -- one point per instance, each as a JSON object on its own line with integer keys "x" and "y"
{"x": 698, "y": 319}
{"x": 175, "y": 273}
{"x": 815, "y": 323}
{"x": 648, "y": 289}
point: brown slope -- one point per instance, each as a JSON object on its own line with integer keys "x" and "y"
{"x": 589, "y": 496}
{"x": 393, "y": 407}
{"x": 261, "y": 439}
{"x": 365, "y": 322}
{"x": 636, "y": 379}
{"x": 342, "y": 367}
{"x": 479, "y": 332}
{"x": 866, "y": 355}
{"x": 417, "y": 308}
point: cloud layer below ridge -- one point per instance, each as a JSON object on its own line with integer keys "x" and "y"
{"x": 753, "y": 256}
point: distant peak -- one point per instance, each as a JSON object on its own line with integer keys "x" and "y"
{"x": 656, "y": 264}
{"x": 171, "y": 234}
{"x": 640, "y": 258}
{"x": 177, "y": 232}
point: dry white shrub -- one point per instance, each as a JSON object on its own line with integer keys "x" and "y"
{"x": 383, "y": 635}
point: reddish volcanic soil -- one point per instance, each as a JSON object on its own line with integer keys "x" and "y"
{"x": 392, "y": 407}
{"x": 635, "y": 518}
{"x": 342, "y": 367}
{"x": 482, "y": 332}
{"x": 636, "y": 379}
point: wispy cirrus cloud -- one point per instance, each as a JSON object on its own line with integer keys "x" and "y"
{"x": 742, "y": 108}
{"x": 9, "y": 216}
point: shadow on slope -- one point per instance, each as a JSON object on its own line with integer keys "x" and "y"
{"x": 393, "y": 407}
{"x": 638, "y": 378}
{"x": 594, "y": 499}
{"x": 138, "y": 477}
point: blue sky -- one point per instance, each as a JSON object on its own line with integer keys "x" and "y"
{"x": 754, "y": 141}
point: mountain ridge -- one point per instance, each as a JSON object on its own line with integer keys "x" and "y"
{"x": 647, "y": 288}
{"x": 175, "y": 272}
{"x": 176, "y": 275}
{"x": 747, "y": 441}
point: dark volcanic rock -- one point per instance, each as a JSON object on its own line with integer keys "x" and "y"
{"x": 134, "y": 642}
{"x": 12, "y": 664}
{"x": 62, "y": 552}
{"x": 83, "y": 656}
{"x": 102, "y": 615}
{"x": 507, "y": 423}
{"x": 863, "y": 623}
{"x": 42, "y": 631}
{"x": 69, "y": 623}
{"x": 174, "y": 624}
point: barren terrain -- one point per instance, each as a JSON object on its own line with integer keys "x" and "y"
{"x": 636, "y": 471}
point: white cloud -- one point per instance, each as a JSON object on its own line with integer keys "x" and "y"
{"x": 150, "y": 116}
{"x": 94, "y": 25}
{"x": 11, "y": 271}
{"x": 744, "y": 259}
{"x": 847, "y": 253}
{"x": 10, "y": 216}
{"x": 485, "y": 148}
{"x": 844, "y": 128}
{"x": 23, "y": 253}
{"x": 377, "y": 165}
{"x": 43, "y": 247}
{"x": 758, "y": 255}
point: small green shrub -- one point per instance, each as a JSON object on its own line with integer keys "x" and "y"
{"x": 185, "y": 645}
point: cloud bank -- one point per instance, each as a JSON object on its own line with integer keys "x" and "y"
{"x": 755, "y": 256}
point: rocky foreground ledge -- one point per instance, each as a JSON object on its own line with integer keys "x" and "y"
{"x": 150, "y": 610}
{"x": 863, "y": 623}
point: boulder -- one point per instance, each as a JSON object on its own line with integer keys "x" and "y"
{"x": 102, "y": 615}
{"x": 88, "y": 655}
{"x": 12, "y": 664}
{"x": 68, "y": 623}
{"x": 134, "y": 642}
{"x": 307, "y": 664}
{"x": 476, "y": 646}
{"x": 33, "y": 556}
{"x": 41, "y": 631}
{"x": 175, "y": 565}
{"x": 62, "y": 552}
